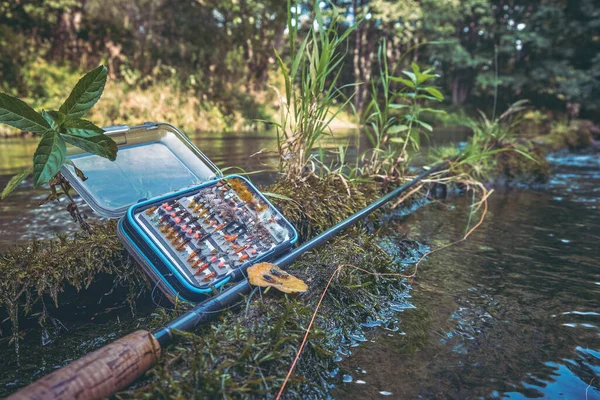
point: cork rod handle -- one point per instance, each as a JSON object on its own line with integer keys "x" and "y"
{"x": 100, "y": 373}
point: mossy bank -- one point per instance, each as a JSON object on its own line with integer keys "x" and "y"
{"x": 248, "y": 350}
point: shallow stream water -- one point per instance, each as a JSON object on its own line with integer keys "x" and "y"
{"x": 513, "y": 312}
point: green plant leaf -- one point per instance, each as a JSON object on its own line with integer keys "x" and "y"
{"x": 397, "y": 129}
{"x": 434, "y": 92}
{"x": 424, "y": 125}
{"x": 48, "y": 158}
{"x": 17, "y": 114}
{"x": 405, "y": 82}
{"x": 85, "y": 94}
{"x": 54, "y": 118}
{"x": 398, "y": 106}
{"x": 411, "y": 75}
{"x": 89, "y": 137}
{"x": 14, "y": 182}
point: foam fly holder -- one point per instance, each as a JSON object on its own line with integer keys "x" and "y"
{"x": 187, "y": 225}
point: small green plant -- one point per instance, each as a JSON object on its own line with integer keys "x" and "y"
{"x": 306, "y": 110}
{"x": 57, "y": 128}
{"x": 394, "y": 117}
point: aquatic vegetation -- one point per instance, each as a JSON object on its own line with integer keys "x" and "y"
{"x": 495, "y": 152}
{"x": 574, "y": 135}
{"x": 29, "y": 273}
{"x": 393, "y": 117}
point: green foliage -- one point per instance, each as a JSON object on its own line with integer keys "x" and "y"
{"x": 494, "y": 151}
{"x": 85, "y": 94}
{"x": 306, "y": 110}
{"x": 58, "y": 128}
{"x": 16, "y": 113}
{"x": 394, "y": 117}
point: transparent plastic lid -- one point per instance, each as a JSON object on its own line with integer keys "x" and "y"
{"x": 153, "y": 160}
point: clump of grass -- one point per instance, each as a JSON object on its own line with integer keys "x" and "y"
{"x": 311, "y": 91}
{"x": 319, "y": 203}
{"x": 495, "y": 153}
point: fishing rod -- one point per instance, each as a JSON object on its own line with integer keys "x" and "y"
{"x": 113, "y": 367}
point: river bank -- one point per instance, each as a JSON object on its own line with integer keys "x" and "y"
{"x": 265, "y": 331}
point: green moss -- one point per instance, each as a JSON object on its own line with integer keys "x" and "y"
{"x": 30, "y": 272}
{"x": 573, "y": 135}
{"x": 247, "y": 352}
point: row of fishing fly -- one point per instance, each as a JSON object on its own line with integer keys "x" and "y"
{"x": 216, "y": 230}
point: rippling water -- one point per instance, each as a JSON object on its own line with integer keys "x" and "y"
{"x": 514, "y": 312}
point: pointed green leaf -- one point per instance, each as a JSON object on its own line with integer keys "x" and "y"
{"x": 424, "y": 125}
{"x": 89, "y": 137}
{"x": 48, "y": 158}
{"x": 405, "y": 82}
{"x": 415, "y": 68}
{"x": 398, "y": 106}
{"x": 14, "y": 182}
{"x": 286, "y": 77}
{"x": 412, "y": 76}
{"x": 397, "y": 129}
{"x": 85, "y": 94}
{"x": 435, "y": 93}
{"x": 17, "y": 114}
{"x": 277, "y": 196}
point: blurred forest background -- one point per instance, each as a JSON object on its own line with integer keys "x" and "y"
{"x": 210, "y": 65}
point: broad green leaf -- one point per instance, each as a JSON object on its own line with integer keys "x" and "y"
{"x": 17, "y": 114}
{"x": 54, "y": 118}
{"x": 397, "y": 129}
{"x": 85, "y": 94}
{"x": 14, "y": 182}
{"x": 405, "y": 82}
{"x": 48, "y": 158}
{"x": 89, "y": 137}
{"x": 434, "y": 92}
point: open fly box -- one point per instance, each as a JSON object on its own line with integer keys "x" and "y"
{"x": 186, "y": 224}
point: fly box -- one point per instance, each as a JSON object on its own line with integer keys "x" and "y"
{"x": 187, "y": 225}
